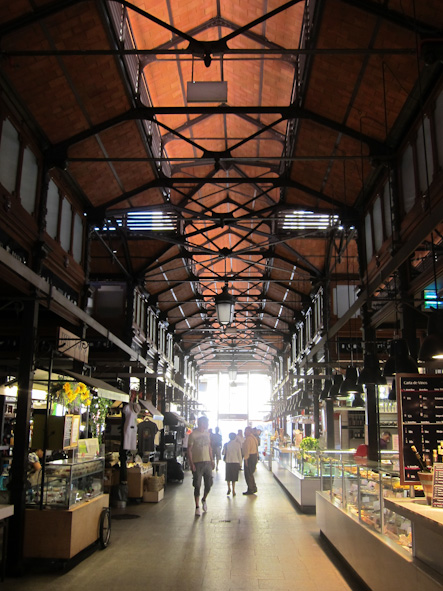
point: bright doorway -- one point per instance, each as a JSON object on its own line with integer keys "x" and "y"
{"x": 235, "y": 405}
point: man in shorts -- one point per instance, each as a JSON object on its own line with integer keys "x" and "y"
{"x": 201, "y": 462}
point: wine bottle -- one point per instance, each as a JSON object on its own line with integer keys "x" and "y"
{"x": 421, "y": 463}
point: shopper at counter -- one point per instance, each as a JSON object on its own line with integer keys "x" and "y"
{"x": 385, "y": 440}
{"x": 34, "y": 465}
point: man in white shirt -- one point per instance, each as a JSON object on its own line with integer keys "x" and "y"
{"x": 201, "y": 462}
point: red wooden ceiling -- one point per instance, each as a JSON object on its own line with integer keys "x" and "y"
{"x": 351, "y": 99}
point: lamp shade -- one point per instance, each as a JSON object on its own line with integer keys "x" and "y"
{"x": 350, "y": 386}
{"x": 224, "y": 304}
{"x": 399, "y": 360}
{"x": 305, "y": 401}
{"x": 325, "y": 392}
{"x": 358, "y": 401}
{"x": 371, "y": 374}
{"x": 432, "y": 346}
{"x": 335, "y": 389}
{"x": 393, "y": 392}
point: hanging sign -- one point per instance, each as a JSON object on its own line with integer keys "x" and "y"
{"x": 72, "y": 346}
{"x": 420, "y": 422}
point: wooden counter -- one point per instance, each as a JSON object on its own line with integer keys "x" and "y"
{"x": 6, "y": 511}
{"x": 381, "y": 563}
{"x": 63, "y": 533}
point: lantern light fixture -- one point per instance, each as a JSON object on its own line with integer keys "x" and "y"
{"x": 224, "y": 305}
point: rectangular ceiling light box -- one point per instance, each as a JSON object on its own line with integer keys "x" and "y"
{"x": 207, "y": 92}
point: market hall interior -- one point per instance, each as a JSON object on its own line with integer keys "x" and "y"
{"x": 255, "y": 542}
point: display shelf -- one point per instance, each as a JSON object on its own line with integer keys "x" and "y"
{"x": 427, "y": 527}
{"x": 360, "y": 489}
{"x": 68, "y": 482}
{"x": 299, "y": 472}
{"x": 362, "y": 510}
{"x": 377, "y": 559}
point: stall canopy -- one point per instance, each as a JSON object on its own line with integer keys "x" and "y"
{"x": 102, "y": 388}
{"x": 156, "y": 414}
{"x": 173, "y": 419}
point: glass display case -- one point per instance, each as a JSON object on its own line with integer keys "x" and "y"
{"x": 307, "y": 463}
{"x": 359, "y": 488}
{"x": 68, "y": 482}
{"x": 298, "y": 471}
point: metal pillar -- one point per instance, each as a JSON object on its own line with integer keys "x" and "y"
{"x": 372, "y": 414}
{"x": 21, "y": 435}
{"x": 330, "y": 434}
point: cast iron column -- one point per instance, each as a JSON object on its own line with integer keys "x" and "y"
{"x": 21, "y": 435}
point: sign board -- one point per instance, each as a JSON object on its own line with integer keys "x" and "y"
{"x": 67, "y": 432}
{"x": 61, "y": 432}
{"x": 72, "y": 346}
{"x": 437, "y": 493}
{"x": 88, "y": 448}
{"x": 420, "y": 421}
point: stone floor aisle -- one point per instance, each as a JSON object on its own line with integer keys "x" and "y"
{"x": 245, "y": 542}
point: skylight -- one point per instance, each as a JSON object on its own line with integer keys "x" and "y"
{"x": 308, "y": 220}
{"x": 143, "y": 221}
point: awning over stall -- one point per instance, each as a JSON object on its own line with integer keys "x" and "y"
{"x": 156, "y": 414}
{"x": 173, "y": 419}
{"x": 103, "y": 389}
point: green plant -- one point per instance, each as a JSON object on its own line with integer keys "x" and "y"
{"x": 309, "y": 444}
{"x": 97, "y": 415}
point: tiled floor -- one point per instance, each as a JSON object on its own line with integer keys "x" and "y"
{"x": 246, "y": 542}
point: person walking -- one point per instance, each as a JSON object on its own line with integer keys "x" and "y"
{"x": 216, "y": 444}
{"x": 201, "y": 462}
{"x": 233, "y": 459}
{"x": 250, "y": 455}
{"x": 240, "y": 437}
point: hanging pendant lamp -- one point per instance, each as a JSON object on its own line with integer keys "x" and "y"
{"x": 358, "y": 401}
{"x": 224, "y": 305}
{"x": 432, "y": 346}
{"x": 399, "y": 361}
{"x": 350, "y": 386}
{"x": 371, "y": 374}
{"x": 393, "y": 392}
{"x": 335, "y": 389}
{"x": 305, "y": 401}
{"x": 325, "y": 392}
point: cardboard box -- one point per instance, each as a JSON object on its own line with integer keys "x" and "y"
{"x": 111, "y": 478}
{"x": 153, "y": 497}
{"x": 135, "y": 485}
{"x": 136, "y": 480}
